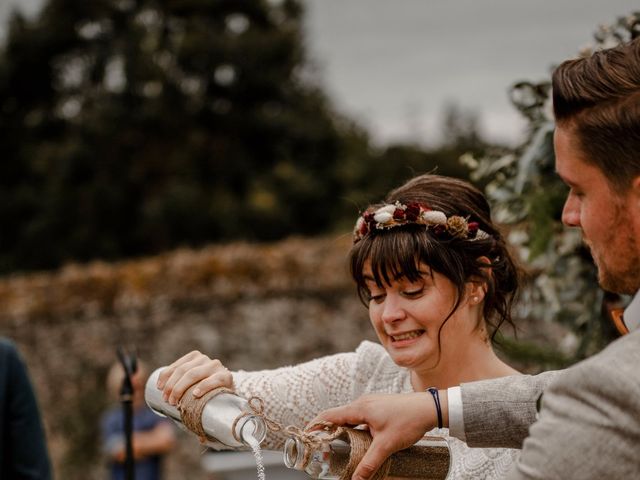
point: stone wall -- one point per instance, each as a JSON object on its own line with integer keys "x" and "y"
{"x": 254, "y": 306}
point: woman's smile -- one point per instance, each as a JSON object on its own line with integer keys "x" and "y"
{"x": 405, "y": 338}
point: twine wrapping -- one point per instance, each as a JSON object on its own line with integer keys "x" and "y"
{"x": 359, "y": 441}
{"x": 191, "y": 408}
{"x": 257, "y": 410}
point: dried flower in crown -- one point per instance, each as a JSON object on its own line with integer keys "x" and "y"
{"x": 393, "y": 215}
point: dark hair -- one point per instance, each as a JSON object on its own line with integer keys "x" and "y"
{"x": 598, "y": 98}
{"x": 398, "y": 252}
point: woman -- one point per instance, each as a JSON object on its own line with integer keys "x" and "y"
{"x": 438, "y": 280}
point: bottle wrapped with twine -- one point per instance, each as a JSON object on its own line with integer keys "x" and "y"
{"x": 334, "y": 456}
{"x": 221, "y": 418}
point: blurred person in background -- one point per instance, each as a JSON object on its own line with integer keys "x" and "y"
{"x": 438, "y": 280}
{"x": 153, "y": 436}
{"x": 23, "y": 448}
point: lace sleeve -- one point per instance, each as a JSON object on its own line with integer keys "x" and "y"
{"x": 294, "y": 395}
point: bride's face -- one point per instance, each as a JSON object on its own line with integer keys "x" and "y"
{"x": 407, "y": 317}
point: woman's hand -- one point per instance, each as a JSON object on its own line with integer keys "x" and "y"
{"x": 395, "y": 421}
{"x": 191, "y": 369}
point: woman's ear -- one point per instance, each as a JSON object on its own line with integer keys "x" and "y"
{"x": 476, "y": 291}
{"x": 477, "y": 286}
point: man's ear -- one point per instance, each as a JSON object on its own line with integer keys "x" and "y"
{"x": 632, "y": 205}
{"x": 635, "y": 186}
{"x": 634, "y": 195}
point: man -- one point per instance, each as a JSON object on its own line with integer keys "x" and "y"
{"x": 23, "y": 449}
{"x": 589, "y": 422}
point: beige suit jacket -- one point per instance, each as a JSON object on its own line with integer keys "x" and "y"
{"x": 589, "y": 424}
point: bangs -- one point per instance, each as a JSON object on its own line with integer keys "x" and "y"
{"x": 398, "y": 254}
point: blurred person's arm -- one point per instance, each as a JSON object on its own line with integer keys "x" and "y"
{"x": 157, "y": 441}
{"x": 23, "y": 449}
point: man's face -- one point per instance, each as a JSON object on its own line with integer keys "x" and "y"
{"x": 608, "y": 218}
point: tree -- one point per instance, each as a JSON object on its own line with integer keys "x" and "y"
{"x": 135, "y": 126}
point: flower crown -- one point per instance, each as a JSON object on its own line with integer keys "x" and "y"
{"x": 394, "y": 215}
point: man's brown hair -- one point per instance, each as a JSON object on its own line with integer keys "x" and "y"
{"x": 598, "y": 99}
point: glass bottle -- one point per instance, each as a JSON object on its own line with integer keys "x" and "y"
{"x": 218, "y": 417}
{"x": 327, "y": 458}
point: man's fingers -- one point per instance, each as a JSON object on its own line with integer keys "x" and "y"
{"x": 373, "y": 458}
{"x": 346, "y": 415}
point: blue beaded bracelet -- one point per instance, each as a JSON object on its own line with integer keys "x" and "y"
{"x": 436, "y": 398}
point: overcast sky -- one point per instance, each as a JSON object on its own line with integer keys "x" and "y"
{"x": 394, "y": 64}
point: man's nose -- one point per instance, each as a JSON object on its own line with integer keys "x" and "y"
{"x": 571, "y": 212}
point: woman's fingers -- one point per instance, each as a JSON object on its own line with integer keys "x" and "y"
{"x": 206, "y": 377}
{"x": 181, "y": 368}
{"x": 219, "y": 379}
{"x": 194, "y": 368}
{"x": 166, "y": 372}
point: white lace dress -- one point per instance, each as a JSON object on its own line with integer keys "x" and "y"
{"x": 295, "y": 395}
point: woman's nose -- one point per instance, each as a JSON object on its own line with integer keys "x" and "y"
{"x": 393, "y": 309}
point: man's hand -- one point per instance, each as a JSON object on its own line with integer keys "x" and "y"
{"x": 395, "y": 421}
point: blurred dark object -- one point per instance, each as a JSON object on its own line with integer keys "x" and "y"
{"x": 23, "y": 448}
{"x": 130, "y": 367}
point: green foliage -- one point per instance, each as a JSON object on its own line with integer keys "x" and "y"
{"x": 528, "y": 196}
{"x": 133, "y": 126}
{"x": 530, "y": 356}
